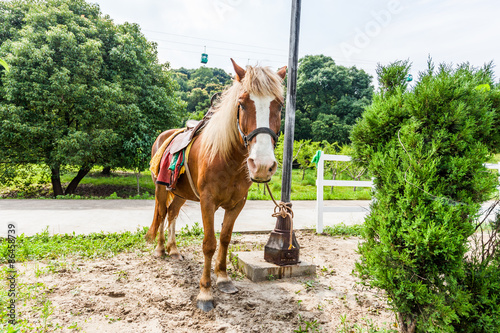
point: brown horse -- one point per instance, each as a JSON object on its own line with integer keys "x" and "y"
{"x": 234, "y": 149}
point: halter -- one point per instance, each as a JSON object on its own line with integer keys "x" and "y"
{"x": 260, "y": 130}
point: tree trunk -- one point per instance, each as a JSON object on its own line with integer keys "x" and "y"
{"x": 106, "y": 171}
{"x": 55, "y": 178}
{"x": 406, "y": 325}
{"x": 84, "y": 170}
{"x": 137, "y": 175}
{"x": 303, "y": 173}
{"x": 334, "y": 175}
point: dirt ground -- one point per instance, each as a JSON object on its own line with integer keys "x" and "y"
{"x": 135, "y": 292}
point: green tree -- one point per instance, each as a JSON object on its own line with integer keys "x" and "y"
{"x": 330, "y": 98}
{"x": 197, "y": 87}
{"x": 306, "y": 151}
{"x": 80, "y": 88}
{"x": 426, "y": 148}
{"x": 393, "y": 76}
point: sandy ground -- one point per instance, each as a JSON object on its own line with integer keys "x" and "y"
{"x": 135, "y": 292}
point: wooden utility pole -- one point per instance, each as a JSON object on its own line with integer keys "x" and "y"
{"x": 278, "y": 249}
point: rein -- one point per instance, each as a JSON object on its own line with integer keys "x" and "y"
{"x": 260, "y": 130}
{"x": 283, "y": 209}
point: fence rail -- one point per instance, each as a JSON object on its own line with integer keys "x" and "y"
{"x": 321, "y": 182}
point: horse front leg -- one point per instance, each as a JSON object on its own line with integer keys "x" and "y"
{"x": 205, "y": 300}
{"x": 224, "y": 282}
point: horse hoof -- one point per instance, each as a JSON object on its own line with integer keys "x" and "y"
{"x": 159, "y": 253}
{"x": 177, "y": 256}
{"x": 227, "y": 287}
{"x": 205, "y": 305}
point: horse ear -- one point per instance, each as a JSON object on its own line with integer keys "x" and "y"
{"x": 282, "y": 72}
{"x": 240, "y": 72}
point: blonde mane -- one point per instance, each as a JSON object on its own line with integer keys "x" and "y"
{"x": 221, "y": 134}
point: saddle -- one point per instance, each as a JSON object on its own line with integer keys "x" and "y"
{"x": 174, "y": 152}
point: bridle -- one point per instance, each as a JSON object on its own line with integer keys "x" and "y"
{"x": 259, "y": 130}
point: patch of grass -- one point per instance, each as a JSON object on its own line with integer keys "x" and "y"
{"x": 366, "y": 326}
{"x": 94, "y": 245}
{"x": 33, "y": 310}
{"x": 307, "y": 326}
{"x": 195, "y": 231}
{"x": 309, "y": 284}
{"x": 344, "y": 230}
{"x": 187, "y": 236}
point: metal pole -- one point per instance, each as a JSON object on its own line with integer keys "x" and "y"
{"x": 278, "y": 249}
{"x": 293, "y": 59}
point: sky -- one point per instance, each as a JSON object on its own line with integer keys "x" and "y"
{"x": 357, "y": 33}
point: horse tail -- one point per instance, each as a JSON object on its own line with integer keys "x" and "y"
{"x": 153, "y": 229}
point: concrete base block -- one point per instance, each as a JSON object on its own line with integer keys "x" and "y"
{"x": 253, "y": 265}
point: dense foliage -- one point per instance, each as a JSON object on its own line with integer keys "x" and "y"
{"x": 197, "y": 87}
{"x": 81, "y": 90}
{"x": 426, "y": 148}
{"x": 330, "y": 98}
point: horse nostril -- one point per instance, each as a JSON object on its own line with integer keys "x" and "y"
{"x": 273, "y": 167}
{"x": 251, "y": 164}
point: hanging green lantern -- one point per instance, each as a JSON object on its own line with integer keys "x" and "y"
{"x": 204, "y": 58}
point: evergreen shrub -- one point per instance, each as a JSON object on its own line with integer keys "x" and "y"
{"x": 426, "y": 146}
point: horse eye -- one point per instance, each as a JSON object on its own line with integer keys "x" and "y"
{"x": 242, "y": 107}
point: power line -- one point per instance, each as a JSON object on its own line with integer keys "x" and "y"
{"x": 213, "y": 40}
{"x": 219, "y": 55}
{"x": 220, "y": 48}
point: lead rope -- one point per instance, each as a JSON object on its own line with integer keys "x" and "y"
{"x": 283, "y": 209}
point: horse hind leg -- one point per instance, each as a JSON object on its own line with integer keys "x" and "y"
{"x": 163, "y": 199}
{"x": 173, "y": 213}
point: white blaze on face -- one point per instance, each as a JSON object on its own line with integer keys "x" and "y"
{"x": 262, "y": 152}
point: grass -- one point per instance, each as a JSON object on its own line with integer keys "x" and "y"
{"x": 95, "y": 245}
{"x": 122, "y": 184}
{"x": 344, "y": 230}
{"x": 365, "y": 326}
{"x": 34, "y": 319}
{"x": 306, "y": 326}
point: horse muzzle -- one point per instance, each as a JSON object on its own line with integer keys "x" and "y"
{"x": 260, "y": 171}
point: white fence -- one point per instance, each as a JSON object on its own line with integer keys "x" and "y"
{"x": 321, "y": 182}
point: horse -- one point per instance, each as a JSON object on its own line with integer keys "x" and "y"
{"x": 234, "y": 149}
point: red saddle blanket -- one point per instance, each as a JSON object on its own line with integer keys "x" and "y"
{"x": 171, "y": 167}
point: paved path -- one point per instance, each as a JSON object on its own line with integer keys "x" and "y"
{"x": 86, "y": 216}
